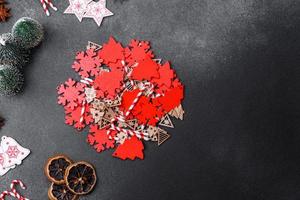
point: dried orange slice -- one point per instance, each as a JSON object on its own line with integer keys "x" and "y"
{"x": 61, "y": 192}
{"x": 80, "y": 177}
{"x": 55, "y": 168}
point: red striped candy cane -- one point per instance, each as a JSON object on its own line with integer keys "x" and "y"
{"x": 139, "y": 134}
{"x": 4, "y": 194}
{"x": 46, "y": 4}
{"x": 126, "y": 114}
{"x": 13, "y": 191}
{"x": 51, "y": 4}
{"x": 86, "y": 81}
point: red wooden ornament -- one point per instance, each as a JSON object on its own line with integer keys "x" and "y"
{"x": 146, "y": 70}
{"x": 129, "y": 92}
{"x": 73, "y": 117}
{"x": 112, "y": 51}
{"x": 131, "y": 148}
{"x": 71, "y": 93}
{"x": 137, "y": 51}
{"x": 99, "y": 139}
{"x": 87, "y": 63}
{"x": 106, "y": 83}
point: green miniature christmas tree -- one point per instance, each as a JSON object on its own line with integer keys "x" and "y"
{"x": 11, "y": 53}
{"x": 28, "y": 32}
{"x": 11, "y": 80}
{"x": 14, "y": 53}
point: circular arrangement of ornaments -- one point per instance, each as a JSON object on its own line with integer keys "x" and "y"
{"x": 125, "y": 96}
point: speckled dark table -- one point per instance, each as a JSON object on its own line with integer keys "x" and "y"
{"x": 240, "y": 63}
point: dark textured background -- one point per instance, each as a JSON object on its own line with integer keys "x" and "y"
{"x": 239, "y": 60}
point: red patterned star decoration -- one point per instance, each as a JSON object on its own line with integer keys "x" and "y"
{"x": 125, "y": 96}
{"x": 88, "y": 9}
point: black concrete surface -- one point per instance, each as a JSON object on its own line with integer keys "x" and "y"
{"x": 239, "y": 61}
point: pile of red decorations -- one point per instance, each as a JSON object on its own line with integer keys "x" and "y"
{"x": 124, "y": 95}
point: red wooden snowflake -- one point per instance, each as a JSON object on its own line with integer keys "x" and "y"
{"x": 74, "y": 117}
{"x": 107, "y": 83}
{"x": 71, "y": 93}
{"x": 87, "y": 63}
{"x": 99, "y": 139}
{"x": 124, "y": 95}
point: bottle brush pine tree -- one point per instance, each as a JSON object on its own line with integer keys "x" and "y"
{"x": 11, "y": 80}
{"x": 28, "y": 32}
{"x": 11, "y": 53}
{"x": 14, "y": 53}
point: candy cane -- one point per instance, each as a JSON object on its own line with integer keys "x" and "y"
{"x": 13, "y": 191}
{"x": 45, "y": 4}
{"x": 86, "y": 81}
{"x": 121, "y": 118}
{"x": 134, "y": 103}
{"x": 138, "y": 134}
{"x": 51, "y": 4}
{"x": 4, "y": 194}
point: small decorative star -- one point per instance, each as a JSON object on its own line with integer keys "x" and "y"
{"x": 97, "y": 11}
{"x": 78, "y": 8}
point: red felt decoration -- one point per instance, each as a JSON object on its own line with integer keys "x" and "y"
{"x": 131, "y": 148}
{"x": 112, "y": 51}
{"x": 73, "y": 116}
{"x": 137, "y": 51}
{"x": 87, "y": 63}
{"x": 127, "y": 99}
{"x": 71, "y": 93}
{"x": 171, "y": 99}
{"x": 146, "y": 112}
{"x": 107, "y": 83}
{"x": 166, "y": 76}
{"x": 99, "y": 139}
{"x": 130, "y": 94}
{"x": 145, "y": 70}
